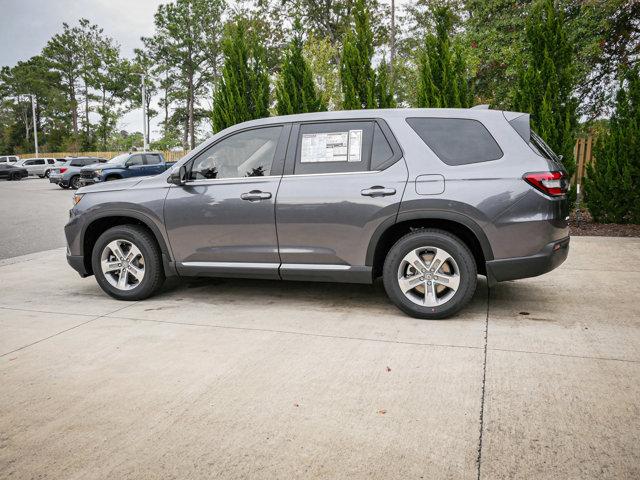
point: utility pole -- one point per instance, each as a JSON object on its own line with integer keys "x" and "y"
{"x": 144, "y": 113}
{"x": 35, "y": 129}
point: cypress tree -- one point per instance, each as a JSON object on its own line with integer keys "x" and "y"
{"x": 356, "y": 74}
{"x": 242, "y": 92}
{"x": 295, "y": 91}
{"x": 443, "y": 77}
{"x": 612, "y": 184}
{"x": 546, "y": 80}
{"x": 383, "y": 94}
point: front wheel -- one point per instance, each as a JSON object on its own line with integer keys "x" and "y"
{"x": 430, "y": 274}
{"x": 127, "y": 263}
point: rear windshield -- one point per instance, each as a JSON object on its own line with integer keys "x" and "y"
{"x": 457, "y": 141}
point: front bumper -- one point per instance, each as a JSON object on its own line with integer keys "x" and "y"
{"x": 550, "y": 257}
{"x": 84, "y": 181}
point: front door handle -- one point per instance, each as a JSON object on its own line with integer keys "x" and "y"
{"x": 378, "y": 191}
{"x": 255, "y": 195}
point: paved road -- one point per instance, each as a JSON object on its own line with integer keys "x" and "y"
{"x": 537, "y": 379}
{"x": 34, "y": 213}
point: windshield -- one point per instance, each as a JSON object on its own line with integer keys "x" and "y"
{"x": 119, "y": 159}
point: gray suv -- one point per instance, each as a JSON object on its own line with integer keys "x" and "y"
{"x": 425, "y": 198}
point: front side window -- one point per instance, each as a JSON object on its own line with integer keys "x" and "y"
{"x": 334, "y": 147}
{"x": 457, "y": 141}
{"x": 152, "y": 159}
{"x": 135, "y": 160}
{"x": 78, "y": 163}
{"x": 244, "y": 154}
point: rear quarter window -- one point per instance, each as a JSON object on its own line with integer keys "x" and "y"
{"x": 457, "y": 141}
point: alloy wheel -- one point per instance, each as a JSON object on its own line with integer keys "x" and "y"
{"x": 122, "y": 264}
{"x": 428, "y": 276}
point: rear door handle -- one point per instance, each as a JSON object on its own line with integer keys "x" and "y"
{"x": 255, "y": 195}
{"x": 378, "y": 191}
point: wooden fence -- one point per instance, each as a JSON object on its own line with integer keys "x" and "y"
{"x": 583, "y": 154}
{"x": 169, "y": 155}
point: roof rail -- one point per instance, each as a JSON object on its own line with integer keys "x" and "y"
{"x": 484, "y": 106}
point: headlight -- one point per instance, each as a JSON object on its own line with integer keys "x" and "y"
{"x": 76, "y": 198}
{"x": 97, "y": 173}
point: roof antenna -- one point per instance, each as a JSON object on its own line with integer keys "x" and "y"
{"x": 484, "y": 106}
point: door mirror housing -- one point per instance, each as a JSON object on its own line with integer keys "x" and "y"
{"x": 178, "y": 177}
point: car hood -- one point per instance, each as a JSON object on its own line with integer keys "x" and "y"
{"x": 100, "y": 166}
{"x": 112, "y": 186}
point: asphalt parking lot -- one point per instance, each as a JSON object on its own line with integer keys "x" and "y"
{"x": 538, "y": 378}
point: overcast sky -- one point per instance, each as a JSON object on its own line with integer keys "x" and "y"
{"x": 27, "y": 25}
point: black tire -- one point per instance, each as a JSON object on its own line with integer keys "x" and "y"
{"x": 154, "y": 272}
{"x": 431, "y": 238}
{"x": 15, "y": 177}
{"x": 47, "y": 173}
{"x": 74, "y": 182}
{"x": 63, "y": 186}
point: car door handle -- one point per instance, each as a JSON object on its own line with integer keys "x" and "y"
{"x": 254, "y": 195}
{"x": 378, "y": 191}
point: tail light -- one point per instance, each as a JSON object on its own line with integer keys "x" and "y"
{"x": 554, "y": 184}
{"x": 63, "y": 169}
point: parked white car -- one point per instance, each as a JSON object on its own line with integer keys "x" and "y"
{"x": 38, "y": 166}
{"x": 9, "y": 159}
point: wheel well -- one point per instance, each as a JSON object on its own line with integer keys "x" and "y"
{"x": 99, "y": 226}
{"x": 398, "y": 230}
{"x": 114, "y": 176}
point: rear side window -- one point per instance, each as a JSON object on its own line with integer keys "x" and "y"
{"x": 457, "y": 141}
{"x": 334, "y": 147}
{"x": 151, "y": 159}
{"x": 381, "y": 150}
{"x": 78, "y": 163}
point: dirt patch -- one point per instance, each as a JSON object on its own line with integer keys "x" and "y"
{"x": 582, "y": 224}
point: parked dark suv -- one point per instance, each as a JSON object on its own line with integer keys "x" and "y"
{"x": 425, "y": 198}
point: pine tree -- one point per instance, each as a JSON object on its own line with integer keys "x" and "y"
{"x": 383, "y": 93}
{"x": 296, "y": 91}
{"x": 243, "y": 90}
{"x": 546, "y": 80}
{"x": 612, "y": 185}
{"x": 443, "y": 77}
{"x": 356, "y": 73}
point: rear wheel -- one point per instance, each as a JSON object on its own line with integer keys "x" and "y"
{"x": 47, "y": 173}
{"x": 127, "y": 264}
{"x": 74, "y": 182}
{"x": 430, "y": 274}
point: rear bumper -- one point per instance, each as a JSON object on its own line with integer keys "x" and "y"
{"x": 77, "y": 263}
{"x": 550, "y": 257}
{"x": 55, "y": 179}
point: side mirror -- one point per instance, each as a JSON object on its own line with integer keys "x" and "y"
{"x": 179, "y": 177}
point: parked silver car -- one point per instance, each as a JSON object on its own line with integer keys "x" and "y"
{"x": 41, "y": 167}
{"x": 9, "y": 159}
{"x": 68, "y": 174}
{"x": 424, "y": 198}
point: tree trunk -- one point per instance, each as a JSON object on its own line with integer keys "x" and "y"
{"x": 392, "y": 46}
{"x": 74, "y": 111}
{"x": 86, "y": 110}
{"x": 185, "y": 134}
{"x": 190, "y": 115}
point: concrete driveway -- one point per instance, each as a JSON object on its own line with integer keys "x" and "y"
{"x": 538, "y": 378}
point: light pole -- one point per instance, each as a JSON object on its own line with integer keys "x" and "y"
{"x": 35, "y": 129}
{"x": 144, "y": 112}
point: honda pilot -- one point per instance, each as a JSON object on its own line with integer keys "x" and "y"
{"x": 427, "y": 199}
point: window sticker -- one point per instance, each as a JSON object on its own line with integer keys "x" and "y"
{"x": 355, "y": 145}
{"x": 331, "y": 147}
